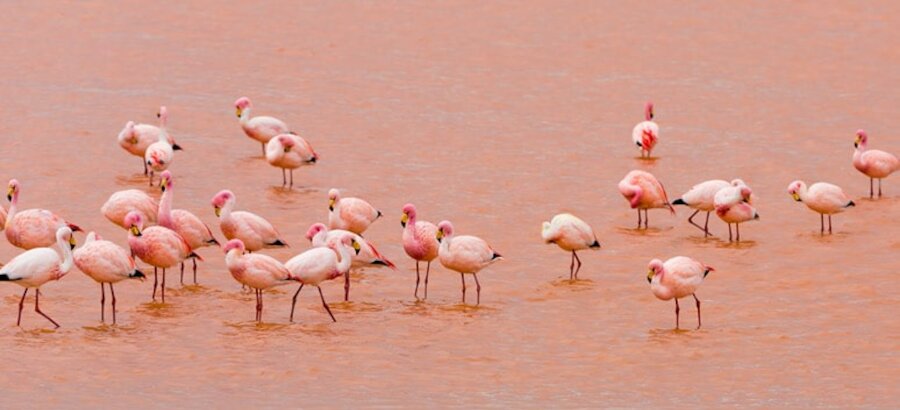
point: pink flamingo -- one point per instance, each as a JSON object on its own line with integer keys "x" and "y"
{"x": 289, "y": 151}
{"x": 571, "y": 234}
{"x": 259, "y": 128}
{"x": 31, "y": 228}
{"x": 646, "y": 133}
{"x": 702, "y": 198}
{"x": 350, "y": 214}
{"x": 37, "y": 266}
{"x": 256, "y": 271}
{"x": 159, "y": 155}
{"x": 256, "y": 232}
{"x": 677, "y": 278}
{"x": 317, "y": 265}
{"x": 733, "y": 206}
{"x": 189, "y": 226}
{"x": 105, "y": 263}
{"x": 321, "y": 236}
{"x": 822, "y": 197}
{"x": 2, "y": 218}
{"x": 644, "y": 191}
{"x": 121, "y": 203}
{"x": 157, "y": 246}
{"x": 419, "y": 242}
{"x": 135, "y": 138}
{"x": 464, "y": 254}
{"x": 874, "y": 163}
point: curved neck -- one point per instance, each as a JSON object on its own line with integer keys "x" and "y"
{"x": 344, "y": 264}
{"x": 319, "y": 238}
{"x": 164, "y": 215}
{"x": 245, "y": 115}
{"x": 12, "y": 206}
{"x": 411, "y": 223}
{"x": 636, "y": 192}
{"x": 163, "y": 119}
{"x": 67, "y": 261}
{"x": 803, "y": 191}
{"x": 226, "y": 209}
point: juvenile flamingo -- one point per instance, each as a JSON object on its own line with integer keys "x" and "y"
{"x": 350, "y": 214}
{"x": 135, "y": 138}
{"x": 159, "y": 155}
{"x": 321, "y": 236}
{"x": 822, "y": 197}
{"x": 677, "y": 278}
{"x": 733, "y": 206}
{"x": 259, "y": 128}
{"x": 157, "y": 246}
{"x": 464, "y": 254}
{"x": 256, "y": 271}
{"x": 317, "y": 265}
{"x": 120, "y": 203}
{"x": 702, "y": 198}
{"x": 37, "y": 266}
{"x": 571, "y": 234}
{"x": 875, "y": 164}
{"x": 31, "y": 228}
{"x": 643, "y": 191}
{"x": 289, "y": 151}
{"x": 419, "y": 242}
{"x": 189, "y": 226}
{"x": 646, "y": 133}
{"x": 105, "y": 263}
{"x": 253, "y": 230}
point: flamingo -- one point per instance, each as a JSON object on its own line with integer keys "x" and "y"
{"x": 419, "y": 242}
{"x": 289, "y": 151}
{"x": 464, "y": 254}
{"x": 321, "y": 236}
{"x": 733, "y": 206}
{"x": 135, "y": 138}
{"x": 120, "y": 203}
{"x": 571, "y": 234}
{"x": 822, "y": 197}
{"x": 317, "y": 265}
{"x": 105, "y": 263}
{"x": 37, "y": 266}
{"x": 157, "y": 246}
{"x": 646, "y": 133}
{"x": 189, "y": 226}
{"x": 644, "y": 191}
{"x": 350, "y": 214}
{"x": 257, "y": 271}
{"x": 678, "y": 277}
{"x": 2, "y": 218}
{"x": 875, "y": 164}
{"x": 31, "y": 228}
{"x": 256, "y": 232}
{"x": 702, "y": 198}
{"x": 259, "y": 128}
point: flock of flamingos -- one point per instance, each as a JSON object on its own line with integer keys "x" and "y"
{"x": 163, "y": 237}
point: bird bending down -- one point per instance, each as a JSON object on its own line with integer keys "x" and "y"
{"x": 105, "y": 263}
{"x": 571, "y": 234}
{"x": 317, "y": 265}
{"x": 644, "y": 192}
{"x": 677, "y": 278}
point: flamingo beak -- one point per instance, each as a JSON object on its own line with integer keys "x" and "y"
{"x": 796, "y": 196}
{"x": 218, "y": 211}
{"x": 177, "y": 147}
{"x": 650, "y": 274}
{"x": 238, "y": 111}
{"x": 331, "y": 204}
{"x": 9, "y": 193}
{"x": 651, "y": 113}
{"x": 163, "y": 183}
{"x": 356, "y": 246}
{"x": 72, "y": 242}
{"x": 158, "y": 115}
{"x": 135, "y": 231}
{"x": 439, "y": 235}
{"x": 404, "y": 219}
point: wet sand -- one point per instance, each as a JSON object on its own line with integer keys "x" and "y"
{"x": 496, "y": 116}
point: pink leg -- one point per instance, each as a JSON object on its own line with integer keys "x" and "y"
{"x": 706, "y": 225}
{"x": 155, "y": 283}
{"x": 691, "y": 220}
{"x": 145, "y": 166}
{"x": 294, "y": 301}
{"x": 347, "y": 286}
{"x": 463, "y": 277}
{"x": 195, "y": 270}
{"x": 292, "y": 178}
{"x": 416, "y": 293}
{"x": 37, "y": 295}
{"x": 879, "y": 187}
{"x": 113, "y": 293}
{"x": 572, "y": 267}
{"x": 646, "y": 218}
{"x": 283, "y": 178}
{"x": 182, "y": 273}
{"x": 102, "y": 303}
{"x": 677, "y": 311}
{"x": 871, "y": 188}
{"x": 821, "y": 224}
{"x": 737, "y": 231}
{"x": 163, "y": 287}
{"x": 264, "y": 149}
{"x": 21, "y": 305}
{"x": 577, "y": 268}
{"x": 729, "y": 233}
{"x": 427, "y": 271}
{"x": 478, "y": 289}
{"x": 829, "y": 223}
{"x": 698, "y": 310}
{"x": 639, "y": 219}
{"x": 325, "y": 304}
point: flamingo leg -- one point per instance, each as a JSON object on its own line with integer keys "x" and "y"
{"x": 706, "y": 225}
{"x": 639, "y": 219}
{"x": 478, "y": 289}
{"x": 829, "y": 223}
{"x": 102, "y": 303}
{"x": 292, "y": 178}
{"x": 283, "y": 178}
{"x": 113, "y": 293}
{"x": 151, "y": 178}
{"x": 463, "y": 277}
{"x": 416, "y": 293}
{"x": 646, "y": 218}
{"x": 21, "y": 305}
{"x": 37, "y": 308}
{"x": 264, "y": 149}
{"x": 879, "y": 187}
{"x": 294, "y": 301}
{"x": 258, "y": 304}
{"x": 871, "y": 188}
{"x": 347, "y": 286}
{"x": 145, "y": 166}
{"x": 427, "y": 271}
{"x": 182, "y": 273}
{"x": 325, "y": 304}
{"x": 821, "y": 224}
{"x": 729, "y": 233}
{"x": 677, "y": 311}
{"x": 195, "y": 270}
{"x": 737, "y": 230}
{"x": 572, "y": 267}
{"x": 162, "y": 288}
{"x": 155, "y": 283}
{"x": 577, "y": 269}
{"x": 698, "y": 310}
{"x": 691, "y": 221}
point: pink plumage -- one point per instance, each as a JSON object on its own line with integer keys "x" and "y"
{"x": 874, "y": 163}
{"x": 419, "y": 242}
{"x": 678, "y": 277}
{"x": 644, "y": 192}
{"x": 31, "y": 228}
{"x": 350, "y": 214}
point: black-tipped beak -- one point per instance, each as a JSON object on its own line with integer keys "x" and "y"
{"x": 330, "y": 208}
{"x": 403, "y": 224}
{"x": 639, "y": 144}
{"x": 649, "y": 280}
{"x": 855, "y": 145}
{"x": 596, "y": 244}
{"x": 177, "y": 147}
{"x": 9, "y": 197}
{"x": 313, "y": 160}
{"x": 71, "y": 246}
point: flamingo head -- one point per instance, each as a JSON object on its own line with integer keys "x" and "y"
{"x": 235, "y": 244}
{"x": 445, "y": 229}
{"x": 13, "y": 189}
{"x": 795, "y": 188}
{"x": 223, "y": 197}
{"x": 346, "y": 240}
{"x": 166, "y": 181}
{"x": 314, "y": 230}
{"x": 65, "y": 234}
{"x": 648, "y": 111}
{"x": 286, "y": 142}
{"x": 163, "y": 113}
{"x": 134, "y": 222}
{"x": 241, "y": 104}
{"x": 861, "y": 138}
{"x": 409, "y": 214}
{"x": 654, "y": 268}
{"x": 333, "y": 197}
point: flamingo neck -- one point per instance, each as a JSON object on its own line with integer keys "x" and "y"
{"x": 411, "y": 224}
{"x": 12, "y": 207}
{"x": 226, "y": 209}
{"x": 636, "y": 193}
{"x": 67, "y": 261}
{"x": 245, "y": 115}
{"x": 165, "y": 210}
{"x": 803, "y": 191}
{"x": 319, "y": 238}
{"x": 343, "y": 264}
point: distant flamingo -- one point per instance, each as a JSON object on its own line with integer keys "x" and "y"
{"x": 677, "y": 278}
{"x": 822, "y": 197}
{"x": 874, "y": 163}
{"x": 317, "y": 265}
{"x": 31, "y": 228}
{"x": 419, "y": 242}
{"x": 159, "y": 155}
{"x": 350, "y": 214}
{"x": 321, "y": 236}
{"x": 135, "y": 138}
{"x": 120, "y": 203}
{"x": 37, "y": 266}
{"x": 105, "y": 263}
{"x": 702, "y": 198}
{"x": 157, "y": 246}
{"x": 256, "y": 232}
{"x": 571, "y": 234}
{"x": 644, "y": 191}
{"x": 2, "y": 217}
{"x": 646, "y": 133}
{"x": 189, "y": 226}
{"x": 256, "y": 271}
{"x": 733, "y": 206}
{"x": 289, "y": 151}
{"x": 464, "y": 254}
{"x": 259, "y": 128}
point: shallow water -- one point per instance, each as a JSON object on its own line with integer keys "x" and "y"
{"x": 494, "y": 115}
